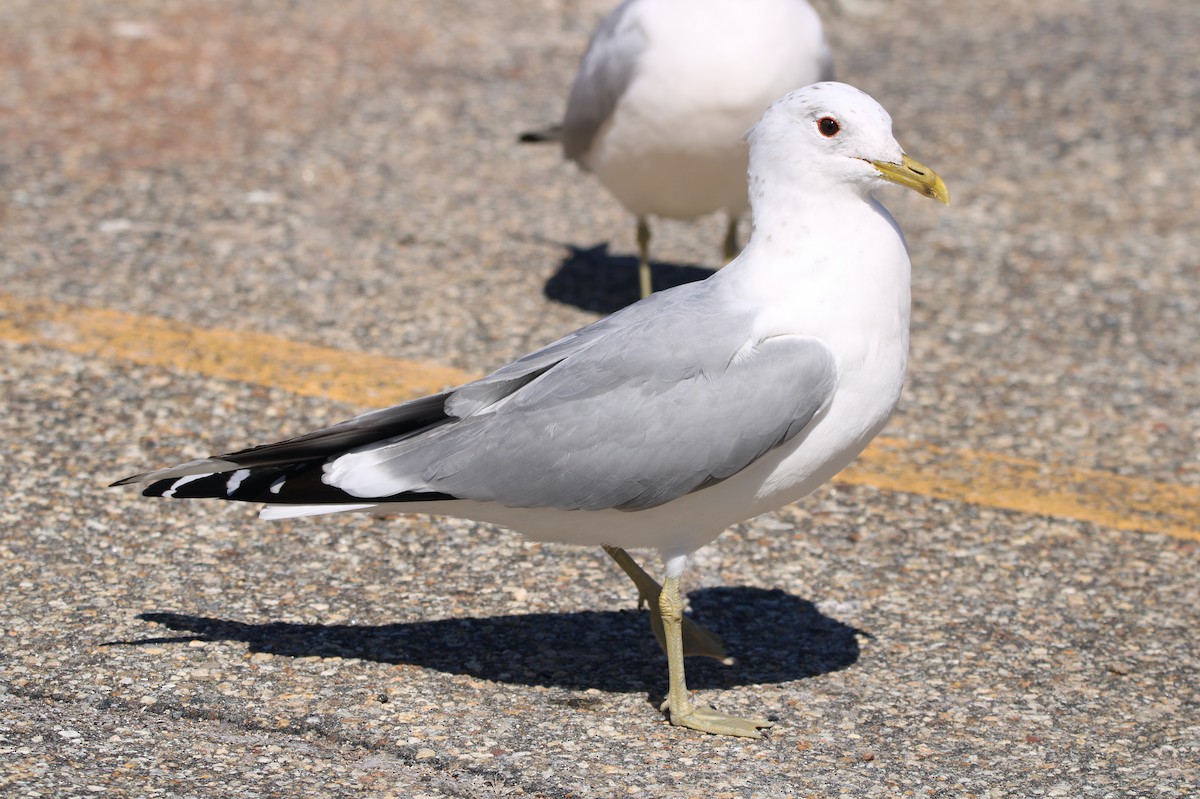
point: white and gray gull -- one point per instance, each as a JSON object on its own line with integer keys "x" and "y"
{"x": 665, "y": 423}
{"x": 665, "y": 92}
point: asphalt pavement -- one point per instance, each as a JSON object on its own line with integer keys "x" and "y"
{"x": 340, "y": 183}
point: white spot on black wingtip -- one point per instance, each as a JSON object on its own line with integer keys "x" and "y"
{"x": 182, "y": 481}
{"x": 235, "y": 480}
{"x": 277, "y": 486}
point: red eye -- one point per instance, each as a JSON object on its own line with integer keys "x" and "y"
{"x": 828, "y": 126}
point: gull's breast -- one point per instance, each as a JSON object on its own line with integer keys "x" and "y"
{"x": 871, "y": 376}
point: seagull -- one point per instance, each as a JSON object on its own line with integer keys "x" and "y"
{"x": 665, "y": 423}
{"x": 664, "y": 93}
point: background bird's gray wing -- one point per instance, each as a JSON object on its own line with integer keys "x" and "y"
{"x": 659, "y": 406}
{"x": 606, "y": 70}
{"x": 825, "y": 69}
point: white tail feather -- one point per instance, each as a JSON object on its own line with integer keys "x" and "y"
{"x": 273, "y": 512}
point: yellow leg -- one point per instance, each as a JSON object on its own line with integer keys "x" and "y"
{"x": 643, "y": 240}
{"x": 679, "y": 704}
{"x": 696, "y": 639}
{"x": 731, "y": 239}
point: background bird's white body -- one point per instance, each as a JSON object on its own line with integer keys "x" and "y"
{"x": 703, "y": 73}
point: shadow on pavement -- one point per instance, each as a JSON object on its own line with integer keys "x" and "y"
{"x": 774, "y": 636}
{"x": 593, "y": 280}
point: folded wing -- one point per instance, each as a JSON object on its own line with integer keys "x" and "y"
{"x": 603, "y": 418}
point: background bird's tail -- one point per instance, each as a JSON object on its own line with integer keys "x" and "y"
{"x": 553, "y": 133}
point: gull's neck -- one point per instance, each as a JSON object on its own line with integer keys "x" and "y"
{"x": 823, "y": 261}
{"x": 809, "y": 228}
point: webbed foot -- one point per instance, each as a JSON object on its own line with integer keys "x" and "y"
{"x": 711, "y": 720}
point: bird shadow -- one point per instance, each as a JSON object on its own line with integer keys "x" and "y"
{"x": 593, "y": 280}
{"x": 774, "y": 636}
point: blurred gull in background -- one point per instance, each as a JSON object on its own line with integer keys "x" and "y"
{"x": 665, "y": 94}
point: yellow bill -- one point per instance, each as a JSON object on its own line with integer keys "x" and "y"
{"x": 915, "y": 175}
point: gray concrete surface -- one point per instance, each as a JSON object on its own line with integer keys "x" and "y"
{"x": 346, "y": 174}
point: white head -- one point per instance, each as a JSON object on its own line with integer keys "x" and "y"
{"x": 833, "y": 137}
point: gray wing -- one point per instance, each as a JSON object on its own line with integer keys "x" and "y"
{"x": 632, "y": 414}
{"x": 482, "y": 393}
{"x": 606, "y": 70}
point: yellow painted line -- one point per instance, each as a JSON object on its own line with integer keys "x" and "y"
{"x": 980, "y": 478}
{"x": 1002, "y": 481}
{"x": 306, "y": 369}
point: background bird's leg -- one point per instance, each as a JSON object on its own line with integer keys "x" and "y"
{"x": 679, "y": 702}
{"x": 731, "y": 239}
{"x": 643, "y": 240}
{"x": 696, "y": 639}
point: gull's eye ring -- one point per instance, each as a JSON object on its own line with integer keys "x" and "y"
{"x": 828, "y": 126}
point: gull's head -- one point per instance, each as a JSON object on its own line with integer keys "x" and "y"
{"x": 829, "y": 135}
